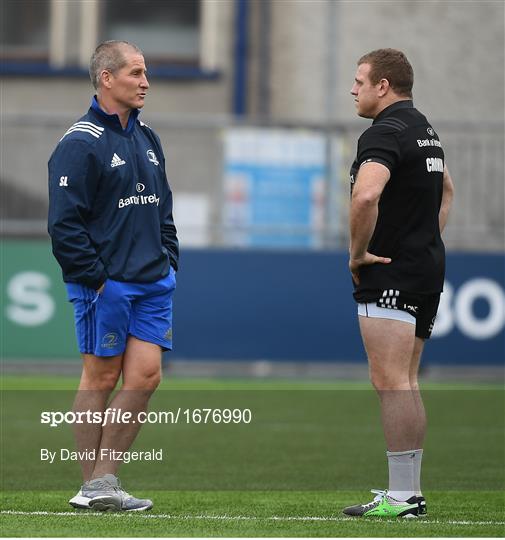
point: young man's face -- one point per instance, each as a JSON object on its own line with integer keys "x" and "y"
{"x": 366, "y": 95}
{"x": 129, "y": 84}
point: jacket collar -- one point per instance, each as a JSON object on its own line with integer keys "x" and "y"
{"x": 113, "y": 119}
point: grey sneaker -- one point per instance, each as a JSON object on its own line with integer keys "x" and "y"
{"x": 79, "y": 501}
{"x": 102, "y": 493}
{"x": 106, "y": 495}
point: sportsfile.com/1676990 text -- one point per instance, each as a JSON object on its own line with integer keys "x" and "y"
{"x": 119, "y": 416}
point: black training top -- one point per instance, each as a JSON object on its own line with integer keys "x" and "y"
{"x": 407, "y": 228}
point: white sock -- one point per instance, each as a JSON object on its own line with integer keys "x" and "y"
{"x": 401, "y": 474}
{"x": 418, "y": 458}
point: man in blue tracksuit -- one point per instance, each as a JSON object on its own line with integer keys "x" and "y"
{"x": 113, "y": 234}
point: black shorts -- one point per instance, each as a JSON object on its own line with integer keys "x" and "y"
{"x": 423, "y": 307}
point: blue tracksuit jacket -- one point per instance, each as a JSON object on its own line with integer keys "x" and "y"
{"x": 110, "y": 205}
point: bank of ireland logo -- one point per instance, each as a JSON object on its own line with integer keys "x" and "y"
{"x": 152, "y": 157}
{"x": 431, "y": 131}
{"x": 140, "y": 187}
{"x": 110, "y": 340}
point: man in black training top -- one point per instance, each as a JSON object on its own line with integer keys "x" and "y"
{"x": 401, "y": 195}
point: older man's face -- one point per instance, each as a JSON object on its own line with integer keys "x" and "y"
{"x": 129, "y": 84}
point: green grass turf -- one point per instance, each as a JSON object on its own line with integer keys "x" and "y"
{"x": 253, "y": 514}
{"x": 54, "y": 382}
{"x": 313, "y": 449}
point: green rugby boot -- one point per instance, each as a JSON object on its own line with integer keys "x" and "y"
{"x": 384, "y": 505}
{"x": 423, "y": 511}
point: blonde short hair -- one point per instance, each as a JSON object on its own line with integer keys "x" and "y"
{"x": 108, "y": 56}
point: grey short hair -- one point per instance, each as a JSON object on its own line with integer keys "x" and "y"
{"x": 109, "y": 56}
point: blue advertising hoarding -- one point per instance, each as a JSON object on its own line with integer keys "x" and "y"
{"x": 298, "y": 306}
{"x": 258, "y": 305}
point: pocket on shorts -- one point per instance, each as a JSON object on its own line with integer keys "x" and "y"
{"x": 169, "y": 282}
{"x": 112, "y": 292}
{"x": 106, "y": 286}
{"x": 76, "y": 291}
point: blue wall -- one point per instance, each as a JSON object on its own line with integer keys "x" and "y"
{"x": 298, "y": 306}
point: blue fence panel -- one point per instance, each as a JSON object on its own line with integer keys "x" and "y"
{"x": 248, "y": 305}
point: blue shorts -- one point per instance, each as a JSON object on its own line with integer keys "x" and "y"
{"x": 104, "y": 321}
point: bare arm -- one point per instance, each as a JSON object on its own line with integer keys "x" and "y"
{"x": 371, "y": 181}
{"x": 447, "y": 196}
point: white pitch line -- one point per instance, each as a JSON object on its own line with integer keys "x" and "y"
{"x": 238, "y": 518}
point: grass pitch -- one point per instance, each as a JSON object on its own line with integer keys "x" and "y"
{"x": 321, "y": 450}
{"x": 252, "y": 514}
